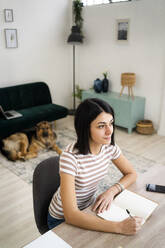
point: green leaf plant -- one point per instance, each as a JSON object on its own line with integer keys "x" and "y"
{"x": 105, "y": 74}
{"x": 78, "y": 92}
{"x": 77, "y": 13}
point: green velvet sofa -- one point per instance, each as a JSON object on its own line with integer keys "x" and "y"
{"x": 33, "y": 101}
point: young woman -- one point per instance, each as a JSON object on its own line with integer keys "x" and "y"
{"x": 83, "y": 164}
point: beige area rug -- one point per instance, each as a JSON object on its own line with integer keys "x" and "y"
{"x": 24, "y": 170}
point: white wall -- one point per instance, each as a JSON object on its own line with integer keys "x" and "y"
{"x": 43, "y": 53}
{"x": 143, "y": 54}
{"x": 161, "y": 130}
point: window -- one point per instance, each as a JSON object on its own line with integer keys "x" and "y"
{"x": 94, "y": 2}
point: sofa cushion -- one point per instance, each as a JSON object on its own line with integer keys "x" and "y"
{"x": 25, "y": 96}
{"x": 31, "y": 116}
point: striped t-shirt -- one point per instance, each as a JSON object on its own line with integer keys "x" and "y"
{"x": 88, "y": 170}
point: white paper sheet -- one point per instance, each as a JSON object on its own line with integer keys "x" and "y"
{"x": 50, "y": 240}
{"x": 115, "y": 213}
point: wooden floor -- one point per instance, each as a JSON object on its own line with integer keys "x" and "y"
{"x": 17, "y": 226}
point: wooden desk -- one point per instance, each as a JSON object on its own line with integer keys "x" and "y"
{"x": 152, "y": 232}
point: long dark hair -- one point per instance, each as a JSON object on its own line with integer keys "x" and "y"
{"x": 87, "y": 111}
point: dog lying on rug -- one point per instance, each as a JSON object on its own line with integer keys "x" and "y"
{"x": 18, "y": 147}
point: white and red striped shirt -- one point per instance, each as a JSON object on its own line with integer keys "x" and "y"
{"x": 88, "y": 170}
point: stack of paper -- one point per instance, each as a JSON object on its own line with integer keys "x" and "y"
{"x": 50, "y": 240}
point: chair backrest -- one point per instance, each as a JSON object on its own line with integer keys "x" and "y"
{"x": 46, "y": 180}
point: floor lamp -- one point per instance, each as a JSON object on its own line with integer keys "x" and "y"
{"x": 74, "y": 39}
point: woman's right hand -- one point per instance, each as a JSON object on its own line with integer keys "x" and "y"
{"x": 130, "y": 226}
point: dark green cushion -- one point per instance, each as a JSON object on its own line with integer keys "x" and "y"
{"x": 31, "y": 116}
{"x": 24, "y": 96}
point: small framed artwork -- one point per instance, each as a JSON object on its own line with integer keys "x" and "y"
{"x": 11, "y": 38}
{"x": 122, "y": 29}
{"x": 8, "y": 13}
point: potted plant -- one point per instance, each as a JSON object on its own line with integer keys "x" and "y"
{"x": 77, "y": 14}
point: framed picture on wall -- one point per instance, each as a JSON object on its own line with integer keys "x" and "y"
{"x": 8, "y": 13}
{"x": 11, "y": 38}
{"x": 122, "y": 29}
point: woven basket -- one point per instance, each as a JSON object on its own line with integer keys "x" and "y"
{"x": 128, "y": 79}
{"x": 145, "y": 127}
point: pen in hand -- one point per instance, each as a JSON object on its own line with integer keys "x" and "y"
{"x": 128, "y": 212}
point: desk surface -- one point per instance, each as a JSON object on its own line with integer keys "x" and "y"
{"x": 152, "y": 232}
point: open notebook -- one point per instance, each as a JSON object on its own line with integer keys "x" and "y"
{"x": 10, "y": 114}
{"x": 136, "y": 204}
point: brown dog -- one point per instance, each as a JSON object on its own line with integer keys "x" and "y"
{"x": 17, "y": 146}
{"x": 45, "y": 138}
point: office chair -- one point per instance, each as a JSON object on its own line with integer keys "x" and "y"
{"x": 46, "y": 180}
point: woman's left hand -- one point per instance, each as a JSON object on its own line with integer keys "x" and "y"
{"x": 104, "y": 201}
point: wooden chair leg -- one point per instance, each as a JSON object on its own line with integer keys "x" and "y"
{"x": 132, "y": 93}
{"x": 122, "y": 90}
{"x": 129, "y": 92}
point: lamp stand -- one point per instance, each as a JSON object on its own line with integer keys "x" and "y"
{"x": 74, "y": 38}
{"x": 72, "y": 111}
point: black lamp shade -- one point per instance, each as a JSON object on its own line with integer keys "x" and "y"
{"x": 75, "y": 36}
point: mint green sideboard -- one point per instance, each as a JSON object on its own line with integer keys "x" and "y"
{"x": 127, "y": 110}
